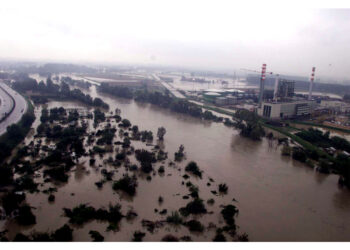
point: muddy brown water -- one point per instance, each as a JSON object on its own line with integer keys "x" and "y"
{"x": 279, "y": 199}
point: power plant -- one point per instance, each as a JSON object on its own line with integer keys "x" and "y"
{"x": 284, "y": 104}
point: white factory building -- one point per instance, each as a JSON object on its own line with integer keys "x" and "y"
{"x": 284, "y": 110}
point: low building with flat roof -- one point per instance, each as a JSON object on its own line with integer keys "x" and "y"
{"x": 285, "y": 110}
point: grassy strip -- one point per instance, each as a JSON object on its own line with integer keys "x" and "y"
{"x": 307, "y": 145}
{"x": 321, "y": 126}
{"x": 225, "y": 112}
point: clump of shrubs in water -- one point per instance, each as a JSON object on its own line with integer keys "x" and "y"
{"x": 26, "y": 183}
{"x": 179, "y": 155}
{"x": 83, "y": 213}
{"x": 51, "y": 198}
{"x": 194, "y": 207}
{"x": 219, "y": 237}
{"x": 210, "y": 201}
{"x": 299, "y": 154}
{"x": 25, "y": 216}
{"x": 194, "y": 226}
{"x": 193, "y": 168}
{"x": 57, "y": 173}
{"x": 146, "y": 159}
{"x": 174, "y": 218}
{"x": 11, "y": 201}
{"x": 170, "y": 238}
{"x": 63, "y": 234}
{"x": 96, "y": 236}
{"x": 228, "y": 213}
{"x": 194, "y": 191}
{"x": 223, "y": 188}
{"x": 127, "y": 184}
{"x": 138, "y": 236}
{"x": 161, "y": 170}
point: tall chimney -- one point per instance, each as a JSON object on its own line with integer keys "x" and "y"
{"x": 311, "y": 82}
{"x": 262, "y": 79}
{"x": 276, "y": 88}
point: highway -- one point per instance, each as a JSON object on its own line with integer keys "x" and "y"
{"x": 6, "y": 105}
{"x": 174, "y": 91}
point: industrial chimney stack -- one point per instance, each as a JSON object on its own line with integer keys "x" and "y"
{"x": 311, "y": 82}
{"x": 262, "y": 79}
{"x": 276, "y": 88}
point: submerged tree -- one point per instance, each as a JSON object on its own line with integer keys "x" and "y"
{"x": 179, "y": 155}
{"x": 161, "y": 132}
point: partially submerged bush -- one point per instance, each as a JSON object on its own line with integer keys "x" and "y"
{"x": 194, "y": 226}
{"x": 211, "y": 201}
{"x": 223, "y": 188}
{"x": 51, "y": 198}
{"x": 194, "y": 207}
{"x": 170, "y": 238}
{"x": 96, "y": 236}
{"x": 219, "y": 237}
{"x": 299, "y": 154}
{"x": 25, "y": 216}
{"x": 138, "y": 236}
{"x": 229, "y": 212}
{"x": 11, "y": 201}
{"x": 127, "y": 184}
{"x": 193, "y": 168}
{"x": 64, "y": 233}
{"x": 179, "y": 155}
{"x": 161, "y": 169}
{"x": 174, "y": 218}
{"x": 83, "y": 213}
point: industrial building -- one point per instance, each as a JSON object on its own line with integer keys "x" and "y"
{"x": 284, "y": 110}
{"x": 335, "y": 106}
{"x": 228, "y": 100}
{"x": 285, "y": 89}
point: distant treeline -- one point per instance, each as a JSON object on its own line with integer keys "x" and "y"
{"x": 48, "y": 68}
{"x": 301, "y": 85}
{"x": 163, "y": 100}
{"x": 52, "y": 90}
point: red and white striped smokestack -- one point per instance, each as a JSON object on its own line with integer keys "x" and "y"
{"x": 311, "y": 82}
{"x": 263, "y": 71}
{"x": 263, "y": 75}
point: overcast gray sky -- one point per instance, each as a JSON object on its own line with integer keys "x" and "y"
{"x": 199, "y": 34}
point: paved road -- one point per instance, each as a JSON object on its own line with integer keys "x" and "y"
{"x": 169, "y": 87}
{"x": 20, "y": 108}
{"x": 6, "y": 103}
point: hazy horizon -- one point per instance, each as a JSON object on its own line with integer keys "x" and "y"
{"x": 201, "y": 35}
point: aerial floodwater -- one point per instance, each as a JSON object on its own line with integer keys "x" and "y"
{"x": 279, "y": 199}
{"x": 19, "y": 109}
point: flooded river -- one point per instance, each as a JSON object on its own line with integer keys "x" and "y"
{"x": 279, "y": 199}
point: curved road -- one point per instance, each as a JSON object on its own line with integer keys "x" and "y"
{"x": 6, "y": 104}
